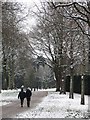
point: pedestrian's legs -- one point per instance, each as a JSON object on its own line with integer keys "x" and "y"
{"x": 22, "y": 102}
{"x": 28, "y": 102}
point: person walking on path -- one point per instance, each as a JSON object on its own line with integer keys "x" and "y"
{"x": 22, "y": 95}
{"x": 28, "y": 96}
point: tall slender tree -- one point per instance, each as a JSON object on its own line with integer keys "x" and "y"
{"x": 13, "y": 41}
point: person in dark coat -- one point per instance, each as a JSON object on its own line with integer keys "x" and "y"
{"x": 28, "y": 96}
{"x": 22, "y": 95}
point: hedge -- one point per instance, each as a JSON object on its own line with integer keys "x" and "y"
{"x": 77, "y": 84}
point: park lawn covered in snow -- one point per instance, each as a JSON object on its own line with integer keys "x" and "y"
{"x": 7, "y": 96}
{"x": 56, "y": 105}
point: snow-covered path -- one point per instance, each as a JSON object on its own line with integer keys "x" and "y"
{"x": 54, "y": 105}
{"x": 13, "y": 108}
{"x": 58, "y": 106}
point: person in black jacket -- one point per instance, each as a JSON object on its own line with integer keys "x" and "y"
{"x": 22, "y": 95}
{"x": 28, "y": 96}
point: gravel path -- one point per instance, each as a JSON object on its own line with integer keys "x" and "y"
{"x": 10, "y": 110}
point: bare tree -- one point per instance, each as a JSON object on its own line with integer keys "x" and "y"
{"x": 13, "y": 40}
{"x": 52, "y": 37}
{"x": 50, "y": 42}
{"x": 82, "y": 15}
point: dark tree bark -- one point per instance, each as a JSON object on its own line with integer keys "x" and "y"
{"x": 82, "y": 90}
{"x": 56, "y": 71}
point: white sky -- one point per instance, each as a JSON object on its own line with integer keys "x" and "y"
{"x": 24, "y": 1}
{"x": 36, "y": 1}
{"x": 30, "y": 3}
{"x": 27, "y": 24}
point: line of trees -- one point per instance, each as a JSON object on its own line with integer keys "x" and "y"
{"x": 82, "y": 19}
{"x": 15, "y": 49}
{"x": 61, "y": 36}
{"x": 18, "y": 61}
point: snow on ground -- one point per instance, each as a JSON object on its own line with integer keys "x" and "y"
{"x": 7, "y": 96}
{"x": 55, "y": 105}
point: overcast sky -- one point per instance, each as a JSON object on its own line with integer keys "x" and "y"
{"x": 30, "y": 4}
{"x": 37, "y": 1}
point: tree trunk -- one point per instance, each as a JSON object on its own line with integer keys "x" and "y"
{"x": 65, "y": 83}
{"x": 82, "y": 91}
{"x": 89, "y": 55}
{"x": 4, "y": 82}
{"x": 89, "y": 50}
{"x": 63, "y": 86}
{"x": 71, "y": 73}
{"x": 82, "y": 77}
{"x": 57, "y": 79}
{"x": 71, "y": 88}
{"x": 71, "y": 60}
{"x": 9, "y": 77}
{"x": 57, "y": 84}
{"x": 12, "y": 85}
